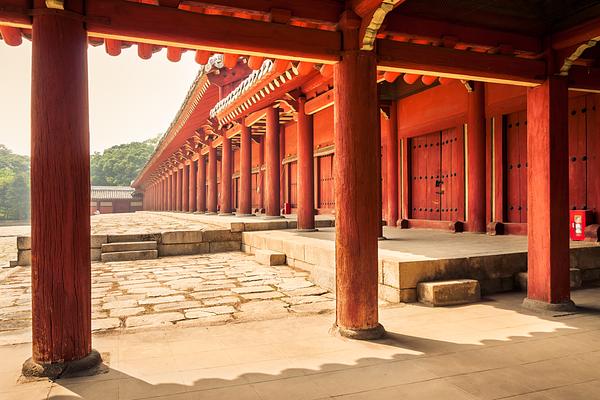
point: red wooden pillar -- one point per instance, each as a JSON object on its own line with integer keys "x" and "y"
{"x": 185, "y": 188}
{"x": 273, "y": 163}
{"x": 212, "y": 180}
{"x": 356, "y": 126}
{"x": 164, "y": 193}
{"x": 392, "y": 167}
{"x": 261, "y": 175}
{"x": 178, "y": 190}
{"x": 306, "y": 189}
{"x": 548, "y": 196}
{"x": 245, "y": 201}
{"x": 226, "y": 173}
{"x": 281, "y": 166}
{"x": 193, "y": 187}
{"x": 60, "y": 194}
{"x": 379, "y": 176}
{"x": 171, "y": 191}
{"x": 476, "y": 159}
{"x": 201, "y": 185}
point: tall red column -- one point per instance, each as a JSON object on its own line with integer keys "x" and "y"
{"x": 356, "y": 125}
{"x": 379, "y": 176}
{"x": 391, "y": 153}
{"x": 281, "y": 166}
{"x": 226, "y": 173}
{"x": 201, "y": 185}
{"x": 548, "y": 196}
{"x": 178, "y": 190}
{"x": 185, "y": 188}
{"x": 60, "y": 193}
{"x": 162, "y": 194}
{"x": 193, "y": 187}
{"x": 476, "y": 159}
{"x": 273, "y": 164}
{"x": 261, "y": 174}
{"x": 245, "y": 200}
{"x": 171, "y": 191}
{"x": 306, "y": 190}
{"x": 212, "y": 180}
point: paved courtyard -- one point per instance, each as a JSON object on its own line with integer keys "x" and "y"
{"x": 199, "y": 290}
{"x": 490, "y": 350}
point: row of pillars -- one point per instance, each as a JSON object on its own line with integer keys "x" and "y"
{"x": 193, "y": 187}
{"x": 60, "y": 189}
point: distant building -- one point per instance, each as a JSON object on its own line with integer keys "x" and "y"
{"x": 115, "y": 199}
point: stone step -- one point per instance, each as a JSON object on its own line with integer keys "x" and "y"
{"x": 128, "y": 246}
{"x": 448, "y": 293}
{"x": 129, "y": 255}
{"x": 270, "y": 257}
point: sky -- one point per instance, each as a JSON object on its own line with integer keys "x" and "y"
{"x": 130, "y": 99}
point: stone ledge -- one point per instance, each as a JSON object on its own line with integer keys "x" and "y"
{"x": 182, "y": 249}
{"x": 129, "y": 255}
{"x": 270, "y": 257}
{"x": 448, "y": 293}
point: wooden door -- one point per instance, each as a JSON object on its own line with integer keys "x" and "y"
{"x": 255, "y": 193}
{"x": 451, "y": 184}
{"x": 577, "y": 154}
{"x": 593, "y": 153}
{"x": 325, "y": 173}
{"x": 293, "y": 184}
{"x": 515, "y": 126}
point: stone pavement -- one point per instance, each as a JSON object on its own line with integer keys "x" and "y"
{"x": 197, "y": 290}
{"x": 489, "y": 350}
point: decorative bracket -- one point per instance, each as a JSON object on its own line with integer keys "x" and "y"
{"x": 372, "y": 23}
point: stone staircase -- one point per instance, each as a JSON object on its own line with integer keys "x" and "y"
{"x": 129, "y": 251}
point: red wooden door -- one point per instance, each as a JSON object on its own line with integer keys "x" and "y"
{"x": 293, "y": 184}
{"x": 577, "y": 154}
{"x": 255, "y": 193}
{"x": 593, "y": 153}
{"x": 451, "y": 183}
{"x": 426, "y": 170}
{"x": 516, "y": 167}
{"x": 326, "y": 196}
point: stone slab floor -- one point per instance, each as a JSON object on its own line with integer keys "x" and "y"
{"x": 489, "y": 350}
{"x": 198, "y": 290}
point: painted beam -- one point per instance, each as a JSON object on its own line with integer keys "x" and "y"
{"x": 15, "y": 13}
{"x": 413, "y": 27}
{"x": 458, "y": 64}
{"x": 141, "y": 23}
{"x": 312, "y": 10}
{"x": 319, "y": 103}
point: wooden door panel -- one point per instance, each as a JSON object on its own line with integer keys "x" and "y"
{"x": 516, "y": 167}
{"x": 293, "y": 187}
{"x": 577, "y": 153}
{"x": 593, "y": 153}
{"x": 446, "y": 180}
{"x": 432, "y": 175}
{"x": 522, "y": 165}
{"x": 326, "y": 195}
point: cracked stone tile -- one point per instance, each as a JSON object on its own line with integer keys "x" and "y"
{"x": 154, "y": 319}
{"x": 252, "y": 289}
{"x": 165, "y": 299}
{"x": 217, "y": 301}
{"x": 119, "y": 304}
{"x": 105, "y": 323}
{"x": 262, "y": 296}
{"x": 126, "y": 312}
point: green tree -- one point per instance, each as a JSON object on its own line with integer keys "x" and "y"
{"x": 14, "y": 185}
{"x": 119, "y": 165}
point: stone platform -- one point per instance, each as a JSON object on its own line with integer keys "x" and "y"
{"x": 410, "y": 256}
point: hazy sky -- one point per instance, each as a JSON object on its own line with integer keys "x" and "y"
{"x": 130, "y": 99}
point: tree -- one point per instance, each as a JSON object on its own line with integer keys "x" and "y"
{"x": 119, "y": 165}
{"x": 14, "y": 185}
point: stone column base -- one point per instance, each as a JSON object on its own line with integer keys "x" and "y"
{"x": 360, "y": 334}
{"x": 537, "y": 305}
{"x": 245, "y": 215}
{"x": 307, "y": 230}
{"x": 89, "y": 365}
{"x": 229, "y": 214}
{"x": 273, "y": 217}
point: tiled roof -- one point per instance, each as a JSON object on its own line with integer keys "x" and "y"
{"x": 112, "y": 193}
{"x": 243, "y": 87}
